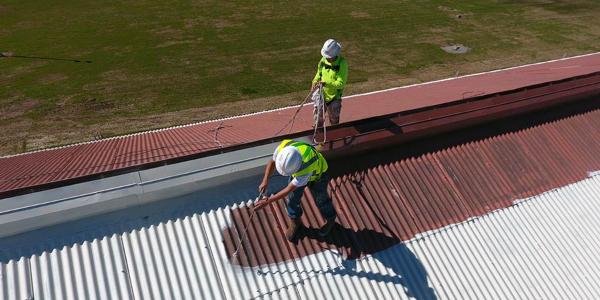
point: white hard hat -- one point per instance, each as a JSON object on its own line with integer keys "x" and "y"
{"x": 288, "y": 161}
{"x": 331, "y": 48}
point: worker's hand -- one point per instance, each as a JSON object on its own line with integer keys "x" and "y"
{"x": 316, "y": 84}
{"x": 260, "y": 204}
{"x": 262, "y": 188}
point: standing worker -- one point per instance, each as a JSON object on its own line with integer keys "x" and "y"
{"x": 332, "y": 74}
{"x": 306, "y": 167}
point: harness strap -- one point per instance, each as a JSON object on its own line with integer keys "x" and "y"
{"x": 308, "y": 163}
{"x": 326, "y": 66}
{"x": 312, "y": 160}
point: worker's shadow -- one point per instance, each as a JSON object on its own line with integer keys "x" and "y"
{"x": 389, "y": 251}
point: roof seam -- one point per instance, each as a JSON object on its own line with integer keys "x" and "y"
{"x": 126, "y": 259}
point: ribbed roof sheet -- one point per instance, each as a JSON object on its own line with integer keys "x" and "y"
{"x": 60, "y": 164}
{"x": 509, "y": 217}
{"x": 420, "y": 194}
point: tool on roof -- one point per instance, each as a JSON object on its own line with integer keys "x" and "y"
{"x": 245, "y": 232}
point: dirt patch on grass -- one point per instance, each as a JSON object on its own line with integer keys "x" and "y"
{"x": 190, "y": 23}
{"x": 225, "y": 23}
{"x": 454, "y": 13}
{"x": 168, "y": 33}
{"x": 116, "y": 75}
{"x": 175, "y": 43}
{"x": 360, "y": 15}
{"x": 23, "y": 70}
{"x": 14, "y": 110}
{"x": 175, "y": 36}
{"x": 52, "y": 78}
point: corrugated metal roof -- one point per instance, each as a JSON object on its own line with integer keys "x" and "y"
{"x": 94, "y": 269}
{"x": 57, "y": 165}
{"x": 509, "y": 217}
{"x": 541, "y": 248}
{"x": 420, "y": 194}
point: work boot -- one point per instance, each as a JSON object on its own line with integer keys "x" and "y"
{"x": 326, "y": 229}
{"x": 292, "y": 230}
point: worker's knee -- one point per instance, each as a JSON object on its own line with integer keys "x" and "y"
{"x": 294, "y": 197}
{"x": 334, "y": 120}
{"x": 334, "y": 110}
{"x": 319, "y": 191}
{"x": 294, "y": 207}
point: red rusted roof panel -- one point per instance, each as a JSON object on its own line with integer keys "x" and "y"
{"x": 381, "y": 206}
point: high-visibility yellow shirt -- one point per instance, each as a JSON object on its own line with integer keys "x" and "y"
{"x": 313, "y": 162}
{"x": 334, "y": 75}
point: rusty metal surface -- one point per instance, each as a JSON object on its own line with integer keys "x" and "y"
{"x": 78, "y": 161}
{"x": 382, "y": 206}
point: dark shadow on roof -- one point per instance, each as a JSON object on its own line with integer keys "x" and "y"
{"x": 406, "y": 269}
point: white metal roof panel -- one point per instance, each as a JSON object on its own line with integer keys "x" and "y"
{"x": 541, "y": 247}
{"x": 15, "y": 279}
{"x": 90, "y": 270}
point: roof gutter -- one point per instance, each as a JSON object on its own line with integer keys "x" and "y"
{"x": 41, "y": 209}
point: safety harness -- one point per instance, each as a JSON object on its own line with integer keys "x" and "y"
{"x": 312, "y": 160}
{"x": 335, "y": 68}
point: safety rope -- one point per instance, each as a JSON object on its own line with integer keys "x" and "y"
{"x": 293, "y": 119}
{"x": 245, "y": 232}
{"x": 319, "y": 113}
{"x": 317, "y": 92}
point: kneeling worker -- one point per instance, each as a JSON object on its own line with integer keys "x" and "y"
{"x": 306, "y": 167}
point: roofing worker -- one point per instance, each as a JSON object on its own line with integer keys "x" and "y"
{"x": 306, "y": 168}
{"x": 332, "y": 73}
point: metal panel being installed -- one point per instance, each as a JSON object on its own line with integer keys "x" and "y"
{"x": 508, "y": 217}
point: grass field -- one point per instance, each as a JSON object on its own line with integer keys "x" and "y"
{"x": 161, "y": 63}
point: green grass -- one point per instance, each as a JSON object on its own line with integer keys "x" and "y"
{"x": 154, "y": 57}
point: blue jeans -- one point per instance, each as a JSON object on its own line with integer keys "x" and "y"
{"x": 319, "y": 192}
